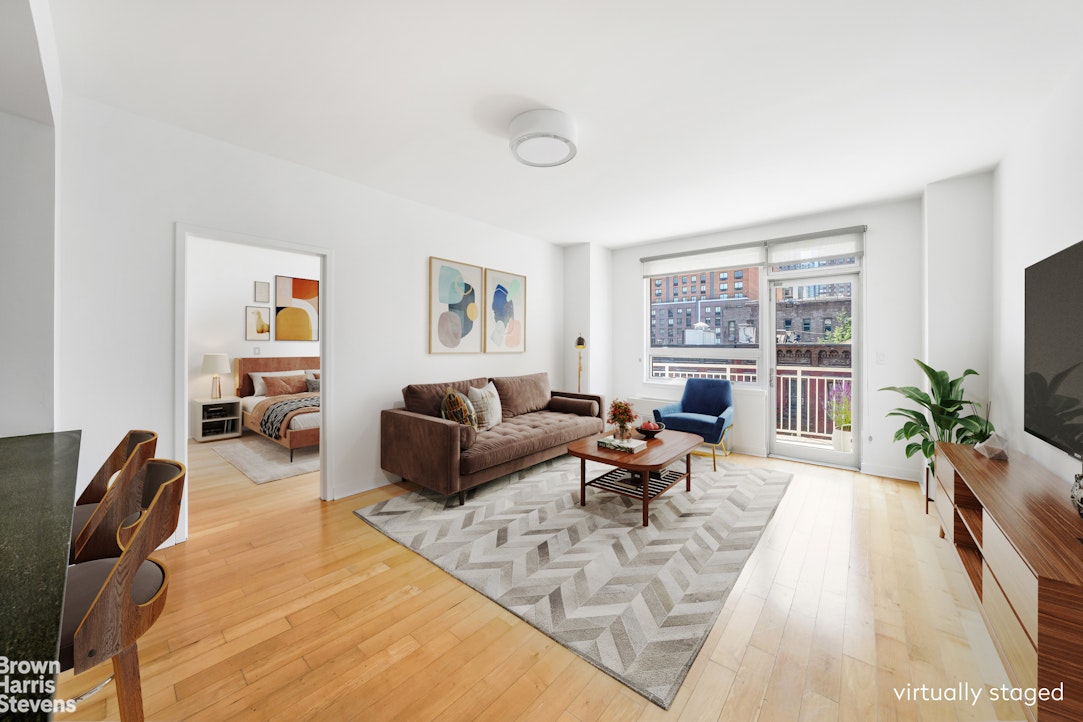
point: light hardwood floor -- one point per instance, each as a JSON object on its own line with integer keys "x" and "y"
{"x": 283, "y": 607}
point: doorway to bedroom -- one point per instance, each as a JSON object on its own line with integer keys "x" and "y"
{"x": 255, "y": 305}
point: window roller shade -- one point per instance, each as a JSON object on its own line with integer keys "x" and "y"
{"x": 835, "y": 243}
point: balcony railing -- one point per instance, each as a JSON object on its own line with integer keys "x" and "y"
{"x": 800, "y": 402}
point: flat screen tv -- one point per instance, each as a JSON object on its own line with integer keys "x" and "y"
{"x": 1053, "y": 350}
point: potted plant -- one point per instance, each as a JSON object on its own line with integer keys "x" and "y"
{"x": 622, "y": 414}
{"x": 839, "y": 406}
{"x": 940, "y": 417}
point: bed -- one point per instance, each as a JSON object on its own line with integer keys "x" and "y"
{"x": 299, "y": 413}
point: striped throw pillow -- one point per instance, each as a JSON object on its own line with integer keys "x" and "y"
{"x": 486, "y": 403}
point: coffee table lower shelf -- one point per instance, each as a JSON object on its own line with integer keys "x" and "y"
{"x": 630, "y": 483}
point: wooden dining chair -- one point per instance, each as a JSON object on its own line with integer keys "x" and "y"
{"x": 109, "y": 603}
{"x": 95, "y": 490}
{"x": 94, "y": 525}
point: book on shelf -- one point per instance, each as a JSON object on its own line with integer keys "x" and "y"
{"x": 629, "y": 445}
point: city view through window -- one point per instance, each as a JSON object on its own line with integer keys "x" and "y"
{"x": 706, "y": 324}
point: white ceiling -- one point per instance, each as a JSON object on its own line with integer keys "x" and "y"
{"x": 693, "y": 115}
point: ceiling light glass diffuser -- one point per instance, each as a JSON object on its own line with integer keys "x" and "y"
{"x": 543, "y": 138}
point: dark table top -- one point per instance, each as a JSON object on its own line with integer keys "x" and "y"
{"x": 37, "y": 495}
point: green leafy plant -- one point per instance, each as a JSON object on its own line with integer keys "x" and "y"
{"x": 941, "y": 414}
{"x": 843, "y": 330}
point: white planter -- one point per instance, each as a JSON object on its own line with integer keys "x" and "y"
{"x": 842, "y": 440}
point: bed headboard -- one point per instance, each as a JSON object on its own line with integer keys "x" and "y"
{"x": 242, "y": 366}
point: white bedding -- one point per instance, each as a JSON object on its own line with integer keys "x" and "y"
{"x": 300, "y": 422}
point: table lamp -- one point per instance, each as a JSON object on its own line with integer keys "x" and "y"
{"x": 216, "y": 363}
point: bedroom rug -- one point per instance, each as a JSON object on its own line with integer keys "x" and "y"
{"x": 262, "y": 460}
{"x": 636, "y": 602}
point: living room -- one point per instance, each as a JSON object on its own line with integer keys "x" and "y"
{"x": 108, "y": 186}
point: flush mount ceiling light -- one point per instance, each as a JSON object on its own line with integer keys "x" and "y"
{"x": 543, "y": 138}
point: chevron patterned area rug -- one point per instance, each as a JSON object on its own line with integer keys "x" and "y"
{"x": 635, "y": 601}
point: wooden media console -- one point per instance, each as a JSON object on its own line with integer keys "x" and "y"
{"x": 1021, "y": 542}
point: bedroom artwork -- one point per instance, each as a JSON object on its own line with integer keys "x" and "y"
{"x": 262, "y": 293}
{"x": 257, "y": 323}
{"x": 505, "y": 312}
{"x": 454, "y": 307}
{"x": 297, "y": 306}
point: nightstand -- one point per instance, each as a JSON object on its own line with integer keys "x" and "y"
{"x": 213, "y": 419}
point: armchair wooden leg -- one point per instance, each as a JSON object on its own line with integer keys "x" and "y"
{"x": 129, "y": 688}
{"x": 714, "y": 461}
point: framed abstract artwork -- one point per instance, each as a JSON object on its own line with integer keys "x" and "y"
{"x": 505, "y": 312}
{"x": 297, "y": 309}
{"x": 257, "y": 323}
{"x": 454, "y": 307}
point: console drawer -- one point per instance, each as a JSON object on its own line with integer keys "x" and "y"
{"x": 945, "y": 474}
{"x": 1008, "y": 632}
{"x": 945, "y": 511}
{"x": 1016, "y": 580}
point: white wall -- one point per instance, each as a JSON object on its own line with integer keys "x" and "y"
{"x": 221, "y": 278}
{"x": 892, "y": 329}
{"x": 27, "y": 182}
{"x": 1040, "y": 184}
{"x": 959, "y": 279}
{"x": 127, "y": 180}
{"x": 588, "y": 308}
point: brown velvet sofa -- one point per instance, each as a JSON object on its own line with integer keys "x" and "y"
{"x": 449, "y": 458}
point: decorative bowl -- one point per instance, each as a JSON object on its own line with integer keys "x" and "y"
{"x": 650, "y": 433}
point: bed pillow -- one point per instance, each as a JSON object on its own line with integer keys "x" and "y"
{"x": 486, "y": 403}
{"x": 457, "y": 407}
{"x": 259, "y": 387}
{"x": 280, "y": 385}
{"x": 313, "y": 384}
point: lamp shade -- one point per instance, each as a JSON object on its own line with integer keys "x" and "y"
{"x": 543, "y": 138}
{"x": 216, "y": 363}
{"x": 580, "y": 342}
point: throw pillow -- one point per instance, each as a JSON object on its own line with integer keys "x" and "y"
{"x": 486, "y": 403}
{"x": 457, "y": 407}
{"x": 258, "y": 385}
{"x": 523, "y": 394}
{"x": 279, "y": 385}
{"x": 580, "y": 407}
{"x": 313, "y": 384}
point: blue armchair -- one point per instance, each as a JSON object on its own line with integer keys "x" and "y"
{"x": 705, "y": 408}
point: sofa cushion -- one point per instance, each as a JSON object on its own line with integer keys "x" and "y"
{"x": 427, "y": 398}
{"x": 486, "y": 403}
{"x": 579, "y": 407}
{"x": 523, "y": 435}
{"x": 522, "y": 394}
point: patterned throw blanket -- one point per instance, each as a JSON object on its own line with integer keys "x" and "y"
{"x": 274, "y": 413}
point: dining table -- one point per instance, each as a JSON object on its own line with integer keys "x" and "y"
{"x": 37, "y": 495}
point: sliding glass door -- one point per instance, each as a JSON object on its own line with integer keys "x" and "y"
{"x": 813, "y": 385}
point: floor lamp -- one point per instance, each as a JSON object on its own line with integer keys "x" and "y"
{"x": 580, "y": 344}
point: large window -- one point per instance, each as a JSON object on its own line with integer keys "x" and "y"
{"x": 716, "y": 336}
{"x": 718, "y": 326}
